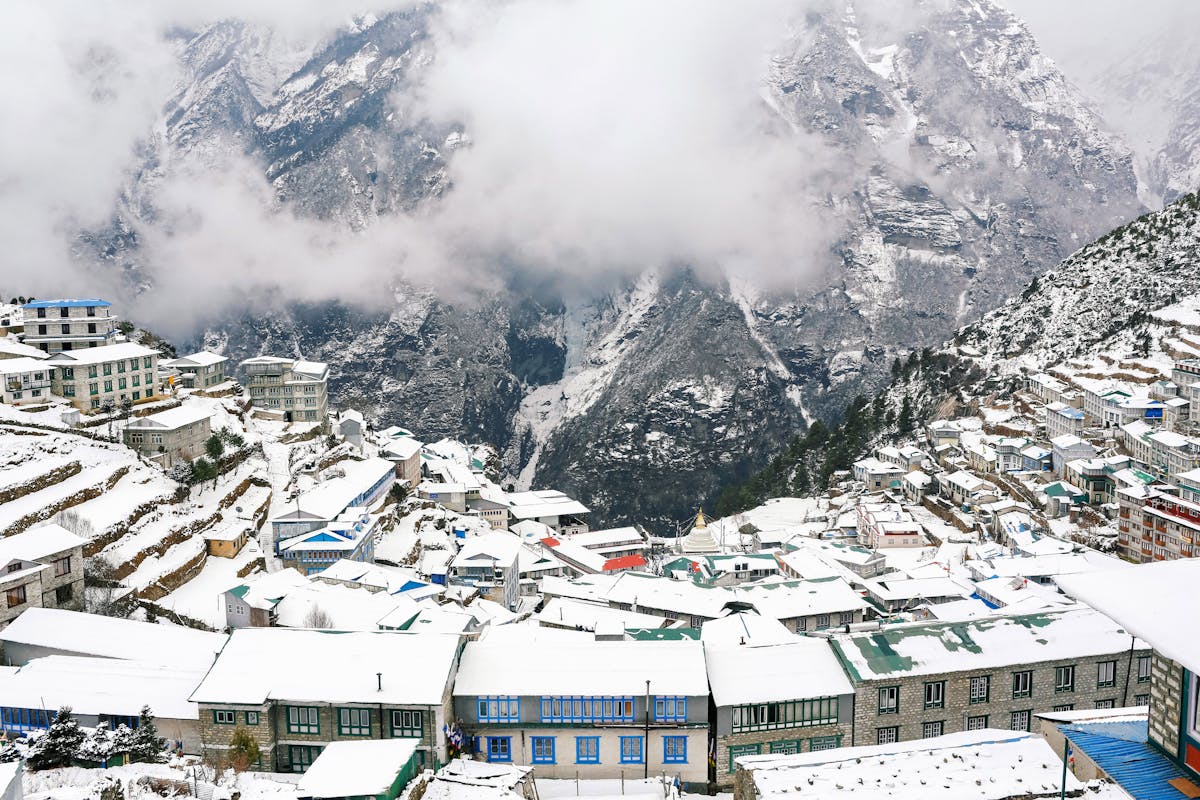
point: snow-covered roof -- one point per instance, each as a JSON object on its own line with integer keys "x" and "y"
{"x": 744, "y": 627}
{"x": 403, "y": 447}
{"x": 587, "y": 615}
{"x": 258, "y": 664}
{"x": 102, "y": 686}
{"x": 544, "y": 503}
{"x": 111, "y": 637}
{"x": 356, "y": 769}
{"x": 1137, "y": 597}
{"x": 580, "y": 666}
{"x": 801, "y": 669}
{"x": 329, "y": 498}
{"x": 170, "y": 419}
{"x": 903, "y": 588}
{"x": 101, "y": 355}
{"x": 499, "y": 546}
{"x": 37, "y": 543}
{"x": 19, "y": 350}
{"x": 201, "y": 359}
{"x": 20, "y": 366}
{"x": 920, "y": 648}
{"x": 315, "y": 370}
{"x": 981, "y": 765}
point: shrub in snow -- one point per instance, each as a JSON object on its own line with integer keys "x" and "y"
{"x": 146, "y": 744}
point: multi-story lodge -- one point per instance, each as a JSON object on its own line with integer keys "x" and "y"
{"x": 24, "y": 380}
{"x": 295, "y": 691}
{"x": 1153, "y": 525}
{"x": 202, "y": 370}
{"x": 572, "y": 706}
{"x": 296, "y": 389}
{"x": 41, "y": 568}
{"x": 105, "y": 376}
{"x": 362, "y": 485}
{"x": 57, "y": 325}
{"x": 913, "y": 681}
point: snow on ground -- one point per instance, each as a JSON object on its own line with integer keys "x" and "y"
{"x": 201, "y": 597}
{"x": 76, "y": 783}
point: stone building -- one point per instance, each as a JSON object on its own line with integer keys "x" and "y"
{"x": 57, "y": 325}
{"x": 294, "y": 388}
{"x": 42, "y": 568}
{"x": 297, "y": 690}
{"x": 776, "y": 698}
{"x": 170, "y": 437}
{"x": 105, "y": 376}
{"x": 914, "y": 681}
{"x": 202, "y": 370}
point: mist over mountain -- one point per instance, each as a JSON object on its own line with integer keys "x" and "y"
{"x": 635, "y": 247}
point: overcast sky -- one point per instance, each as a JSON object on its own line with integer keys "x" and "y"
{"x": 662, "y": 97}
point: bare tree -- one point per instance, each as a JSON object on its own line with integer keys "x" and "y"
{"x": 317, "y": 618}
{"x": 101, "y": 593}
{"x": 76, "y": 523}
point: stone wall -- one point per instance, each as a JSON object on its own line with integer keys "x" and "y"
{"x": 1166, "y": 703}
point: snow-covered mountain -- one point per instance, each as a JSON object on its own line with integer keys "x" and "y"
{"x": 968, "y": 164}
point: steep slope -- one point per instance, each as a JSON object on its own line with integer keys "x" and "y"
{"x": 963, "y": 164}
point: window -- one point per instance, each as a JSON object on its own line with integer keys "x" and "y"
{"x": 1143, "y": 669}
{"x": 407, "y": 724}
{"x": 889, "y": 699}
{"x": 981, "y": 688}
{"x": 91, "y": 311}
{"x": 62, "y": 566}
{"x": 91, "y": 327}
{"x": 108, "y": 386}
{"x": 224, "y": 717}
{"x": 543, "y": 749}
{"x": 674, "y": 749}
{"x": 63, "y": 594}
{"x": 1064, "y": 679}
{"x": 824, "y": 743}
{"x": 120, "y": 367}
{"x": 1106, "y": 704}
{"x": 887, "y": 735}
{"x": 736, "y": 751}
{"x": 670, "y": 709}
{"x": 786, "y": 747}
{"x": 499, "y": 709}
{"x": 788, "y": 714}
{"x": 1141, "y": 699}
{"x": 67, "y": 373}
{"x": 137, "y": 379}
{"x": 63, "y": 311}
{"x": 66, "y": 327}
{"x": 977, "y": 723}
{"x": 16, "y": 596}
{"x": 68, "y": 390}
{"x": 251, "y": 717}
{"x": 499, "y": 748}
{"x": 93, "y": 388}
{"x": 121, "y": 383}
{"x": 303, "y": 719}
{"x": 802, "y": 625}
{"x": 302, "y": 756}
{"x": 931, "y": 729}
{"x": 41, "y": 312}
{"x": 631, "y": 749}
{"x": 1106, "y": 674}
{"x": 1063, "y": 707}
{"x": 92, "y": 371}
{"x": 1022, "y": 684}
{"x": 587, "y": 709}
{"x": 846, "y": 618}
{"x": 1019, "y": 721}
{"x": 587, "y": 749}
{"x": 354, "y": 721}
{"x": 935, "y": 694}
{"x": 107, "y": 368}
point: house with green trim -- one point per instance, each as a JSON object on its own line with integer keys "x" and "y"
{"x": 918, "y": 680}
{"x": 780, "y": 697}
{"x": 296, "y": 691}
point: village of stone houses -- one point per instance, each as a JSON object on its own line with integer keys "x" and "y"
{"x": 220, "y": 583}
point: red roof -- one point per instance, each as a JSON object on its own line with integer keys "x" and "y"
{"x": 625, "y": 562}
{"x": 550, "y": 541}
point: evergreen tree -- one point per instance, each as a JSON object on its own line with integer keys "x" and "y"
{"x": 214, "y": 447}
{"x": 146, "y": 744}
{"x": 58, "y": 746}
{"x": 244, "y": 751}
{"x": 97, "y": 747}
{"x": 906, "y": 421}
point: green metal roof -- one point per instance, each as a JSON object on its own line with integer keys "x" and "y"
{"x": 662, "y": 634}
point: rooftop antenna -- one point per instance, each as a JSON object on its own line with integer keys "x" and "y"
{"x": 379, "y": 681}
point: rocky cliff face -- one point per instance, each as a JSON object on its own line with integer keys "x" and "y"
{"x": 968, "y": 166}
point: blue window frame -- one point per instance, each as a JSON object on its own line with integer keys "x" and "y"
{"x": 543, "y": 750}
{"x": 631, "y": 749}
{"x": 670, "y": 709}
{"x": 499, "y": 748}
{"x": 499, "y": 709}
{"x": 25, "y": 719}
{"x": 587, "y": 749}
{"x": 674, "y": 749}
{"x": 586, "y": 709}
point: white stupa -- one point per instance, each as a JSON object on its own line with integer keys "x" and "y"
{"x": 699, "y": 540}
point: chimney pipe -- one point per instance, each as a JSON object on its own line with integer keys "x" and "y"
{"x": 379, "y": 681}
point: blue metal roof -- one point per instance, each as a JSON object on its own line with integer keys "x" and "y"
{"x": 68, "y": 303}
{"x": 1121, "y": 749}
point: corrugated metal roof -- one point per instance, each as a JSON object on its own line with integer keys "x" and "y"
{"x": 1121, "y": 750}
{"x": 97, "y": 302}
